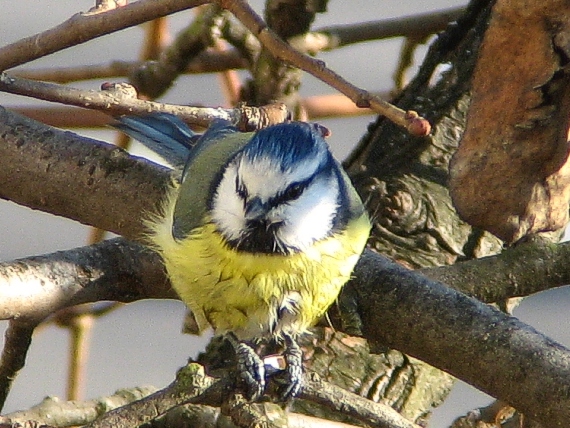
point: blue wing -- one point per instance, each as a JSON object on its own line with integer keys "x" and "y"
{"x": 163, "y": 133}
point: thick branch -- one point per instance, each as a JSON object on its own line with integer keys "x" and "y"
{"x": 400, "y": 308}
{"x": 474, "y": 342}
{"x": 53, "y": 171}
{"x": 81, "y": 28}
{"x": 36, "y": 287}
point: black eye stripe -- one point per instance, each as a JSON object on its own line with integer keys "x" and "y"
{"x": 241, "y": 190}
{"x": 291, "y": 193}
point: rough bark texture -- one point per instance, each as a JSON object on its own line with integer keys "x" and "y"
{"x": 58, "y": 154}
{"x": 404, "y": 180}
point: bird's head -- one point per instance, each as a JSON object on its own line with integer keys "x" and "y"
{"x": 281, "y": 193}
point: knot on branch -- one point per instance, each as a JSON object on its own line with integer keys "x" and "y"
{"x": 254, "y": 118}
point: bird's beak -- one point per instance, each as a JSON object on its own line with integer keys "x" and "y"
{"x": 255, "y": 209}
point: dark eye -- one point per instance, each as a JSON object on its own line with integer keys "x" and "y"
{"x": 293, "y": 192}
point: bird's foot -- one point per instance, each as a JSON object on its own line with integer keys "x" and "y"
{"x": 291, "y": 379}
{"x": 250, "y": 369}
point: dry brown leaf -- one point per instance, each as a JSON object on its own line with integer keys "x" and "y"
{"x": 511, "y": 174}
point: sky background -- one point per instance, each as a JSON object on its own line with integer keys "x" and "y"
{"x": 141, "y": 344}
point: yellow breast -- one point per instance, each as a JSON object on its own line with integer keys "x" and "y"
{"x": 244, "y": 292}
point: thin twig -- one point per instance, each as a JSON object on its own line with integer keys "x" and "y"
{"x": 18, "y": 338}
{"x": 213, "y": 61}
{"x": 410, "y": 120}
{"x": 416, "y": 26}
{"x": 81, "y": 28}
{"x": 119, "y": 99}
{"x": 316, "y": 107}
{"x": 207, "y": 61}
{"x": 80, "y": 329}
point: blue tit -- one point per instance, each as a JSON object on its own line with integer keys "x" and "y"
{"x": 258, "y": 236}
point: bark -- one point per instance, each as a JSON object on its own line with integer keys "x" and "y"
{"x": 52, "y": 170}
{"x": 404, "y": 180}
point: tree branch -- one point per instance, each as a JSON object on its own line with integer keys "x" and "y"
{"x": 415, "y": 124}
{"x": 18, "y": 338}
{"x": 154, "y": 77}
{"x": 81, "y": 28}
{"x": 475, "y": 342}
{"x": 213, "y": 61}
{"x": 114, "y": 269}
{"x": 421, "y": 317}
{"x": 51, "y": 170}
{"x": 316, "y": 107}
{"x": 367, "y": 411}
{"x": 208, "y": 61}
{"x": 120, "y": 99}
{"x": 74, "y": 413}
{"x": 518, "y": 272}
{"x": 415, "y": 26}
{"x": 400, "y": 308}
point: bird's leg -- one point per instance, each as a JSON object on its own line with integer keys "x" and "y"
{"x": 292, "y": 378}
{"x": 250, "y": 368}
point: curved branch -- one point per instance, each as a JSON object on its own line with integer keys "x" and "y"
{"x": 415, "y": 124}
{"x": 81, "y": 28}
{"x": 400, "y": 308}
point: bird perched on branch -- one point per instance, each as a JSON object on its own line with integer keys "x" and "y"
{"x": 259, "y": 235}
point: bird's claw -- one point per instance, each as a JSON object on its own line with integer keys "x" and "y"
{"x": 251, "y": 371}
{"x": 291, "y": 379}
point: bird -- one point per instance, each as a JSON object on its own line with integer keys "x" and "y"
{"x": 258, "y": 235}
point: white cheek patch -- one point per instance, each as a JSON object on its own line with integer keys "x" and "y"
{"x": 310, "y": 217}
{"x": 227, "y": 208}
{"x": 302, "y": 221}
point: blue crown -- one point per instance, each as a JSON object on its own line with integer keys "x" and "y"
{"x": 288, "y": 143}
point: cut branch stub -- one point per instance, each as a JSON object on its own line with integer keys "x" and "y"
{"x": 511, "y": 174}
